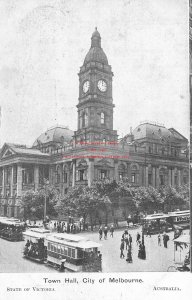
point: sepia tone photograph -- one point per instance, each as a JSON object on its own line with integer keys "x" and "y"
{"x": 94, "y": 136}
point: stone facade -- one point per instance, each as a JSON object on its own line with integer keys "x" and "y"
{"x": 150, "y": 155}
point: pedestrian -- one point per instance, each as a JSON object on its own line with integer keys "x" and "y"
{"x": 105, "y": 232}
{"x": 111, "y": 230}
{"x": 129, "y": 256}
{"x": 159, "y": 239}
{"x": 130, "y": 241}
{"x": 122, "y": 249}
{"x": 100, "y": 233}
{"x": 165, "y": 239}
{"x": 142, "y": 252}
{"x": 126, "y": 239}
{"x": 138, "y": 238}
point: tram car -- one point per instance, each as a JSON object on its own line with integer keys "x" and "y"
{"x": 35, "y": 248}
{"x": 73, "y": 253}
{"x": 156, "y": 223}
{"x": 11, "y": 229}
{"x": 180, "y": 218}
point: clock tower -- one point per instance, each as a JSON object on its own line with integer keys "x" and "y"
{"x": 95, "y": 106}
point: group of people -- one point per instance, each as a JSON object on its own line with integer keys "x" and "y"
{"x": 35, "y": 250}
{"x": 165, "y": 238}
{"x": 126, "y": 243}
{"x": 105, "y": 231}
{"x": 13, "y": 233}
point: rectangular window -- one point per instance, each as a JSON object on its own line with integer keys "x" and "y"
{"x": 73, "y": 253}
{"x": 150, "y": 179}
{"x": 185, "y": 180}
{"x": 58, "y": 248}
{"x": 49, "y": 246}
{"x": 82, "y": 175}
{"x": 52, "y": 248}
{"x": 103, "y": 174}
{"x": 176, "y": 180}
{"x": 65, "y": 177}
{"x": 120, "y": 176}
{"x": 161, "y": 179}
{"x": 133, "y": 177}
{"x": 66, "y": 251}
{"x": 69, "y": 252}
{"x": 62, "y": 249}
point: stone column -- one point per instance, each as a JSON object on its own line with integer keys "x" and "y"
{"x": 116, "y": 175}
{"x": 173, "y": 177}
{"x": 153, "y": 177}
{"x": 90, "y": 174}
{"x": 179, "y": 177}
{"x": 19, "y": 180}
{"x": 3, "y": 183}
{"x": 157, "y": 177}
{"x": 169, "y": 178}
{"x": 146, "y": 176}
{"x": 36, "y": 177}
{"x": 74, "y": 172}
{"x": 140, "y": 175}
{"x": 11, "y": 183}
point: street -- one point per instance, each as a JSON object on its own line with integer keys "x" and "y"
{"x": 158, "y": 258}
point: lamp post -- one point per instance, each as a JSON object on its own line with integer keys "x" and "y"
{"x": 46, "y": 182}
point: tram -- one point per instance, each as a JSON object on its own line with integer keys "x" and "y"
{"x": 73, "y": 253}
{"x": 159, "y": 223}
{"x": 11, "y": 229}
{"x": 35, "y": 248}
{"x": 179, "y": 218}
{"x": 156, "y": 223}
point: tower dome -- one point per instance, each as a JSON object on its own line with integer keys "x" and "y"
{"x": 96, "y": 53}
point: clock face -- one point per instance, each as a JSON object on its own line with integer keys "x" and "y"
{"x": 86, "y": 86}
{"x": 102, "y": 85}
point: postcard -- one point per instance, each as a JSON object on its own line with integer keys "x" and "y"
{"x": 95, "y": 149}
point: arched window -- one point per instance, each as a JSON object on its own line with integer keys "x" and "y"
{"x": 58, "y": 177}
{"x": 102, "y": 118}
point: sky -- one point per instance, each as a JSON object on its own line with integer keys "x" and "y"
{"x": 44, "y": 43}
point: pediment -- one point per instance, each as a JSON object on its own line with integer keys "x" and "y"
{"x": 7, "y": 151}
{"x": 104, "y": 162}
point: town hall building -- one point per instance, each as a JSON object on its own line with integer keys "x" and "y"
{"x": 149, "y": 155}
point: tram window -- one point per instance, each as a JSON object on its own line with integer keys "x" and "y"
{"x": 62, "y": 249}
{"x": 59, "y": 249}
{"x": 73, "y": 253}
{"x": 66, "y": 251}
{"x": 52, "y": 248}
{"x": 69, "y": 252}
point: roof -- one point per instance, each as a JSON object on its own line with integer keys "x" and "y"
{"x": 96, "y": 53}
{"x": 28, "y": 151}
{"x": 11, "y": 149}
{"x": 36, "y": 234}
{"x": 58, "y": 134}
{"x": 157, "y": 132}
{"x": 157, "y": 216}
{"x": 72, "y": 241}
{"x": 183, "y": 239}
